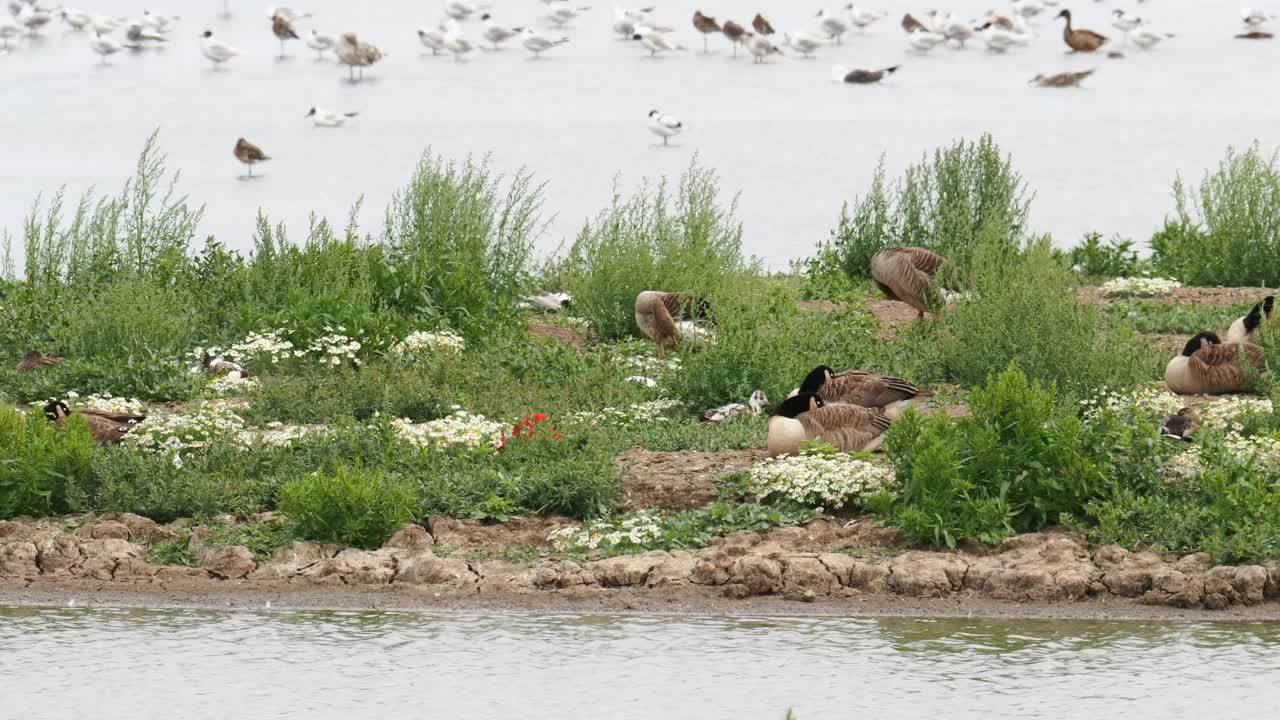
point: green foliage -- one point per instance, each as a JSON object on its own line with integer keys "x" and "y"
{"x": 263, "y": 539}
{"x": 965, "y": 193}
{"x": 1227, "y": 232}
{"x": 349, "y": 505}
{"x": 42, "y": 467}
{"x": 684, "y": 530}
{"x": 1168, "y": 318}
{"x": 146, "y": 376}
{"x": 1117, "y": 258}
{"x": 173, "y": 552}
{"x": 653, "y": 241}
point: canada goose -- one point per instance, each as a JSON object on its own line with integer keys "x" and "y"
{"x": 283, "y": 31}
{"x": 1060, "y": 80}
{"x": 35, "y": 360}
{"x": 658, "y": 313}
{"x": 1255, "y": 35}
{"x": 859, "y": 387}
{"x": 906, "y": 274}
{"x": 1242, "y": 330}
{"x": 754, "y": 406}
{"x": 735, "y": 33}
{"x": 1080, "y": 40}
{"x": 840, "y": 73}
{"x": 248, "y": 153}
{"x": 1181, "y": 425}
{"x": 1209, "y": 367}
{"x": 705, "y": 25}
{"x": 910, "y": 24}
{"x": 806, "y": 417}
{"x": 761, "y": 25}
{"x": 106, "y": 428}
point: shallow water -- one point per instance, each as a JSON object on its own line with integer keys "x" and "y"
{"x": 135, "y": 663}
{"x": 794, "y": 144}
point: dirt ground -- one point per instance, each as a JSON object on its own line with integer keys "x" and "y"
{"x": 678, "y": 480}
{"x": 1189, "y": 296}
{"x": 559, "y": 333}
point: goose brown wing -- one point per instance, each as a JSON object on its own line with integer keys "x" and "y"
{"x": 896, "y": 269}
{"x": 926, "y": 261}
{"x": 859, "y": 387}
{"x": 1218, "y": 367}
{"x": 105, "y": 431}
{"x": 112, "y": 416}
{"x": 654, "y": 317}
{"x": 848, "y": 428}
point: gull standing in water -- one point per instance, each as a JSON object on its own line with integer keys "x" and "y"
{"x": 655, "y": 41}
{"x": 455, "y": 43}
{"x": 664, "y": 126}
{"x": 625, "y": 21}
{"x": 834, "y": 26}
{"x": 460, "y": 10}
{"x": 75, "y": 19}
{"x": 249, "y": 154}
{"x": 139, "y": 35}
{"x": 321, "y": 42}
{"x": 32, "y": 18}
{"x": 217, "y": 51}
{"x": 496, "y": 33}
{"x": 283, "y": 30}
{"x": 104, "y": 25}
{"x": 159, "y": 23}
{"x": 104, "y": 46}
{"x": 290, "y": 14}
{"x": 804, "y": 43}
{"x": 8, "y": 28}
{"x": 324, "y": 118}
{"x": 562, "y": 12}
{"x": 538, "y": 43}
{"x": 761, "y": 48}
{"x": 433, "y": 40}
{"x": 862, "y": 18}
{"x": 355, "y": 53}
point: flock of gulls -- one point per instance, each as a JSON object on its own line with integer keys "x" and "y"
{"x": 468, "y": 26}
{"x": 852, "y": 410}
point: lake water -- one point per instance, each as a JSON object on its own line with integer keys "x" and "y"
{"x": 794, "y": 144}
{"x": 141, "y": 664}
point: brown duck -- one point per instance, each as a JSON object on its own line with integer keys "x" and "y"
{"x": 735, "y": 32}
{"x": 761, "y": 25}
{"x": 1181, "y": 425}
{"x": 282, "y": 30}
{"x": 249, "y": 154}
{"x": 1061, "y": 80}
{"x": 866, "y": 389}
{"x": 657, "y": 314}
{"x": 861, "y": 77}
{"x": 36, "y": 360}
{"x": 805, "y": 417}
{"x": 706, "y": 25}
{"x": 1080, "y": 40}
{"x": 910, "y": 24}
{"x": 1207, "y": 366}
{"x": 906, "y": 274}
{"x": 106, "y": 428}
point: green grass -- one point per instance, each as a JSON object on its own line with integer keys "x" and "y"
{"x": 1168, "y": 318}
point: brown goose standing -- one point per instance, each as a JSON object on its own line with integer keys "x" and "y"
{"x": 840, "y": 73}
{"x": 858, "y": 387}
{"x": 249, "y": 154}
{"x": 1209, "y": 367}
{"x": 657, "y": 314}
{"x": 910, "y": 24}
{"x": 35, "y": 360}
{"x": 735, "y": 33}
{"x": 1242, "y": 330}
{"x": 1080, "y": 40}
{"x": 761, "y": 25}
{"x": 106, "y": 428}
{"x": 283, "y": 30}
{"x": 806, "y": 417}
{"x": 1060, "y": 80}
{"x": 906, "y": 274}
{"x": 705, "y": 25}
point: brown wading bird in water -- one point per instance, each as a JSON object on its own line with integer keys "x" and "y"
{"x": 1061, "y": 80}
{"x": 1080, "y": 40}
{"x": 248, "y": 153}
{"x": 35, "y": 360}
{"x": 804, "y": 417}
{"x": 735, "y": 33}
{"x": 106, "y": 428}
{"x": 282, "y": 30}
{"x": 906, "y": 274}
{"x": 705, "y": 25}
{"x": 761, "y": 25}
{"x": 667, "y": 318}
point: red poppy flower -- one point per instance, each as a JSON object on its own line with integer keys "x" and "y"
{"x": 539, "y": 417}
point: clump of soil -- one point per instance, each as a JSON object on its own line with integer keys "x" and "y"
{"x": 678, "y": 480}
{"x": 466, "y": 535}
{"x": 559, "y": 333}
{"x": 1187, "y": 296}
{"x": 891, "y": 314}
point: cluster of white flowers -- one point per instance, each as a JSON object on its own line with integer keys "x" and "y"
{"x": 571, "y": 321}
{"x": 225, "y": 385}
{"x": 819, "y": 480}
{"x": 335, "y": 345}
{"x": 268, "y": 345}
{"x": 460, "y": 430}
{"x": 1230, "y": 413}
{"x": 1184, "y": 466}
{"x": 650, "y": 365}
{"x": 1139, "y": 287}
{"x": 632, "y": 532}
{"x": 1150, "y": 402}
{"x": 645, "y": 412}
{"x": 1261, "y": 450}
{"x": 194, "y": 427}
{"x": 424, "y": 342}
{"x": 105, "y": 403}
{"x": 280, "y": 435}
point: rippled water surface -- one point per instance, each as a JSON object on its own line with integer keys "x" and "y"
{"x": 135, "y": 664}
{"x": 793, "y": 143}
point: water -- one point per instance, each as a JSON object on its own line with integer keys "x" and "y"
{"x": 794, "y": 144}
{"x": 134, "y": 663}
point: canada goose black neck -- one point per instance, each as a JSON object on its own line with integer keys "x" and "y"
{"x": 814, "y": 381}
{"x": 1196, "y": 342}
{"x": 56, "y": 410}
{"x": 797, "y": 405}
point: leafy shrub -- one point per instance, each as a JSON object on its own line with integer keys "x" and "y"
{"x": 42, "y": 467}
{"x": 349, "y": 505}
{"x": 966, "y": 192}
{"x": 1228, "y": 231}
{"x": 1117, "y": 258}
{"x": 146, "y": 376}
{"x": 653, "y": 241}
{"x": 689, "y": 529}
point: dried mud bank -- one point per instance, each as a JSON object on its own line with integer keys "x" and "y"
{"x": 859, "y": 569}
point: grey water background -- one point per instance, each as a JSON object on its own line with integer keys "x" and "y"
{"x": 794, "y": 144}
{"x": 65, "y": 663}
